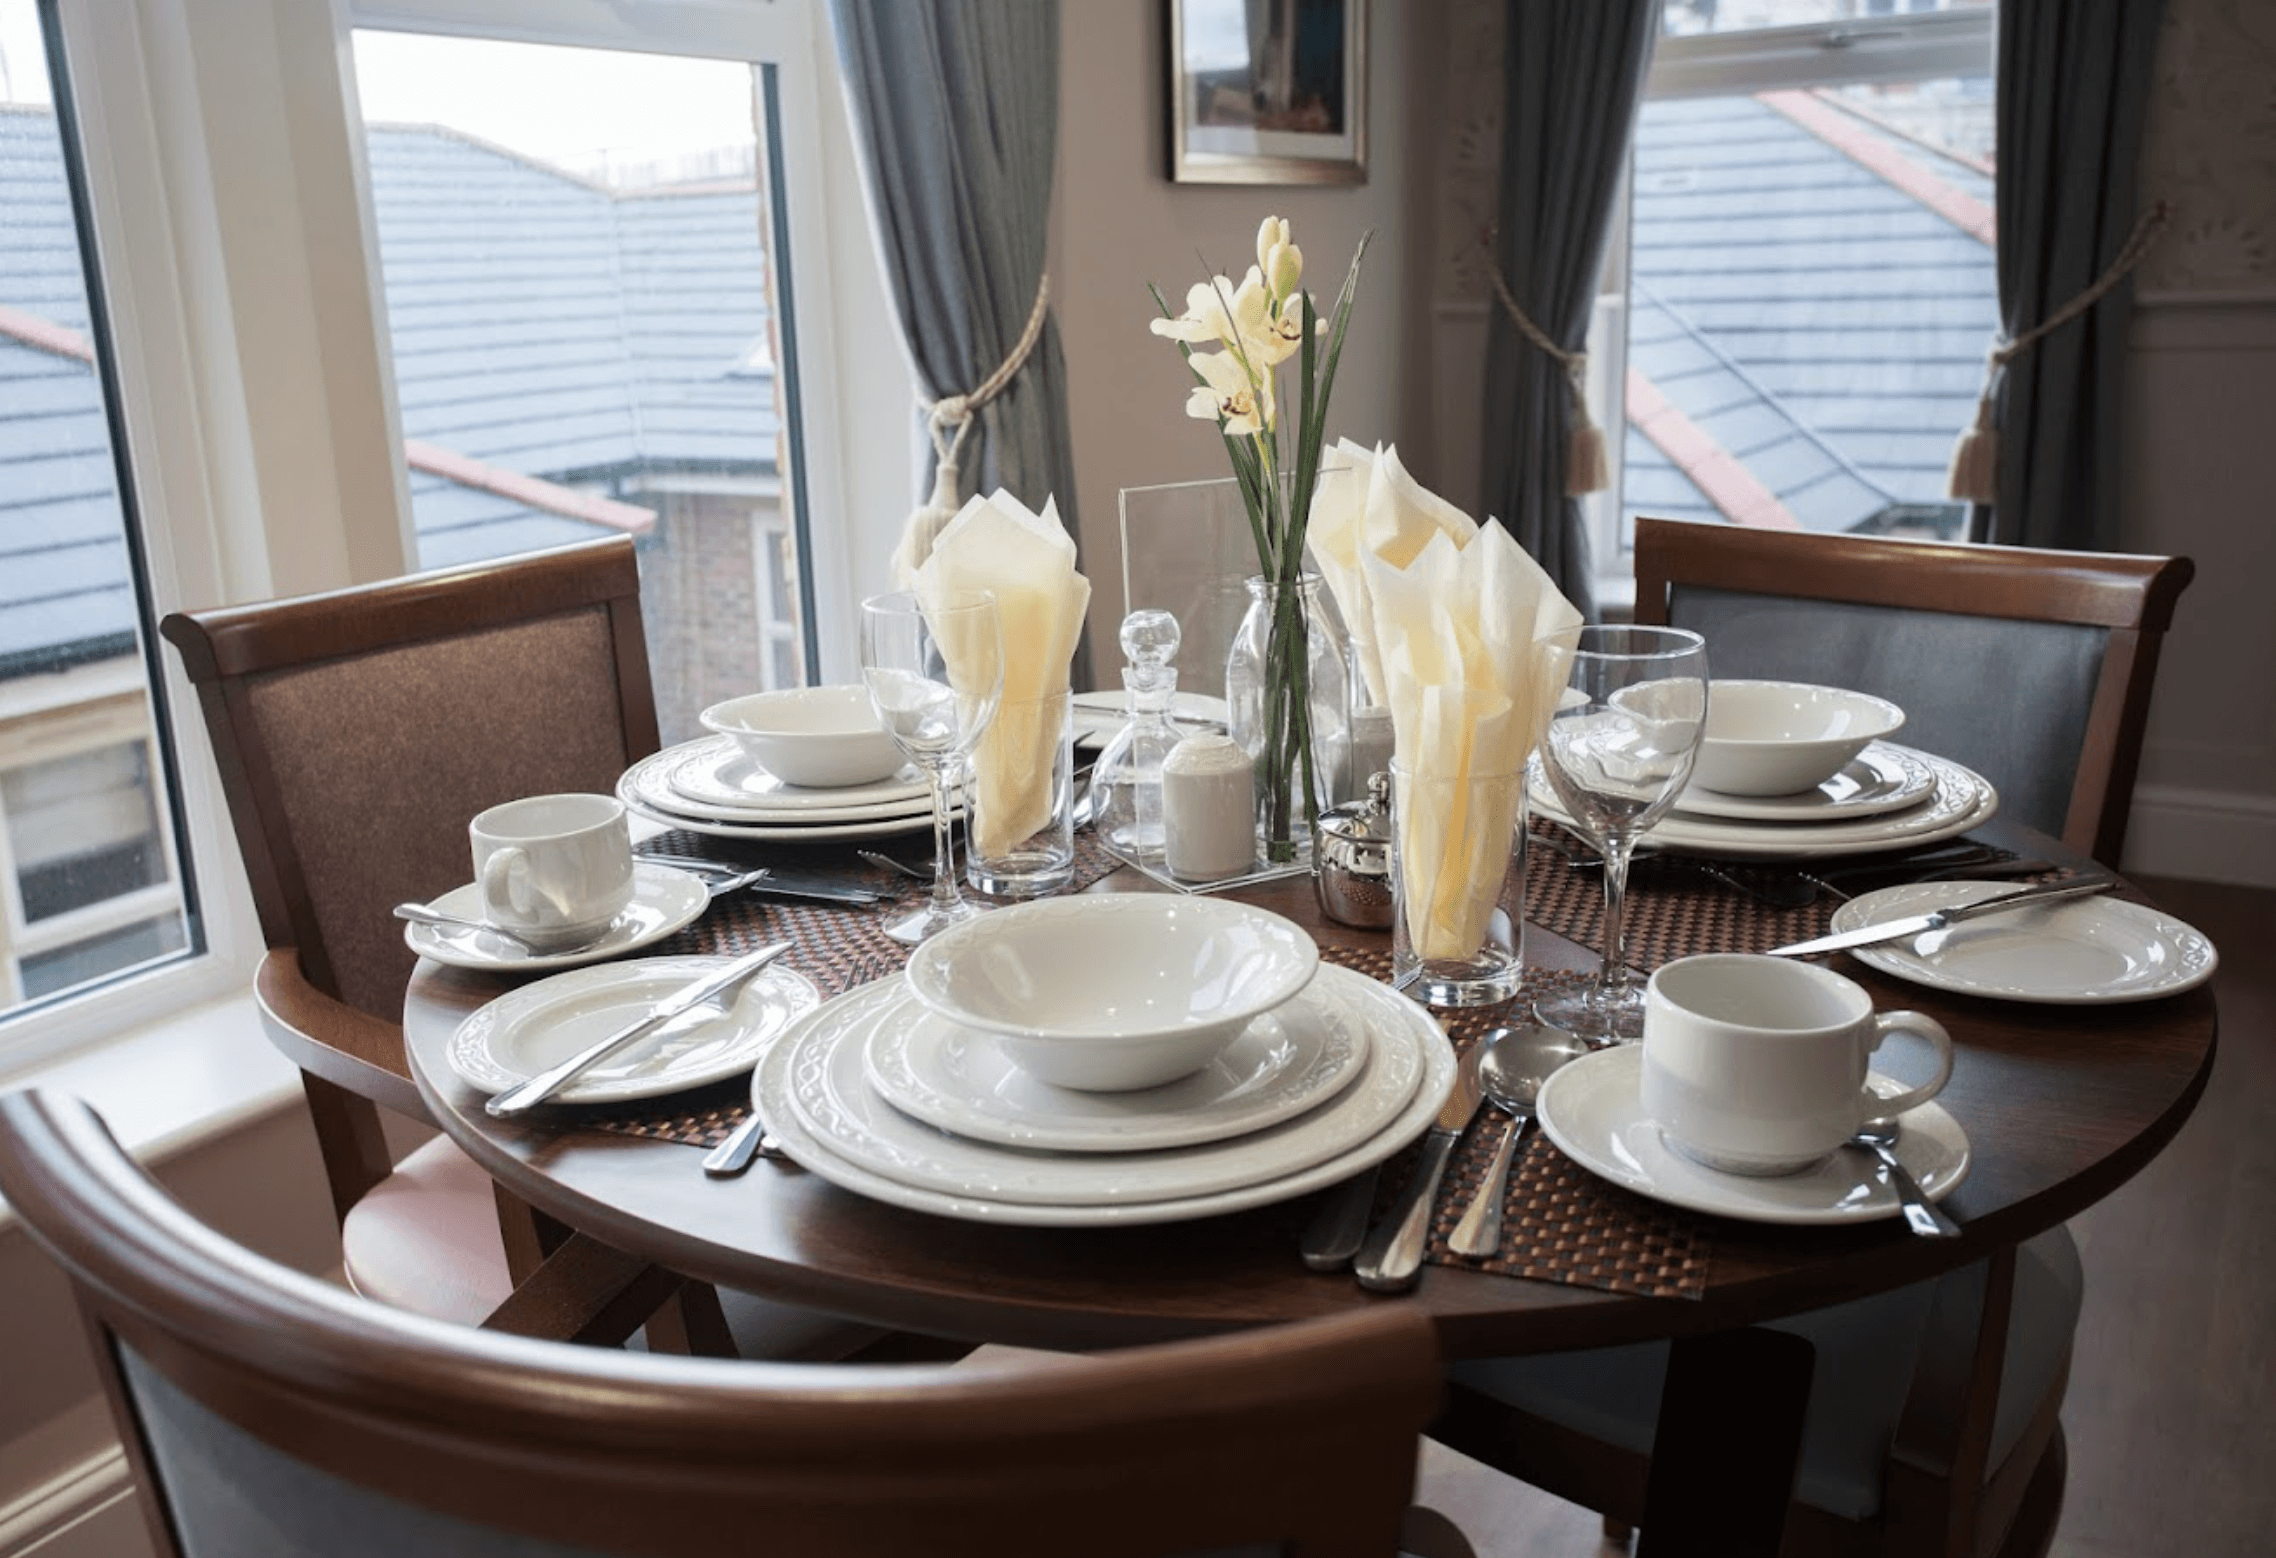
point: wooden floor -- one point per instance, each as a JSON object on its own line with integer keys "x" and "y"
{"x": 2171, "y": 1414}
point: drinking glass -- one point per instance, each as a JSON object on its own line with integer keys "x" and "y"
{"x": 1619, "y": 749}
{"x": 935, "y": 670}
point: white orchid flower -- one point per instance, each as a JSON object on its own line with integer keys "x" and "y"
{"x": 1273, "y": 230}
{"x": 1228, "y": 393}
{"x": 1284, "y": 269}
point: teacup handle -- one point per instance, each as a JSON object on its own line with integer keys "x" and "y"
{"x": 506, "y": 880}
{"x": 1927, "y": 1027}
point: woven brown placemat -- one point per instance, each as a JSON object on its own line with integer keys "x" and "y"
{"x": 1560, "y": 1223}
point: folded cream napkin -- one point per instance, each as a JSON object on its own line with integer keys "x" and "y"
{"x": 1367, "y": 505}
{"x": 1028, "y": 560}
{"x": 1452, "y": 611}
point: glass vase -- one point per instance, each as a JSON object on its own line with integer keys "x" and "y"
{"x": 1288, "y": 697}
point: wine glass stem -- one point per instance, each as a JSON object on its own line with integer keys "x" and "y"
{"x": 945, "y": 895}
{"x": 1612, "y": 976}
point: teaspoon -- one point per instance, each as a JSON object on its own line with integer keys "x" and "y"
{"x": 420, "y": 914}
{"x": 1514, "y": 1064}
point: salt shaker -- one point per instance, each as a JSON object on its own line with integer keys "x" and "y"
{"x": 1209, "y": 818}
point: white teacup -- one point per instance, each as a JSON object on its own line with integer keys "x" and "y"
{"x": 553, "y": 869}
{"x": 1756, "y": 1065}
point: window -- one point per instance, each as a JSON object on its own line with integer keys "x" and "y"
{"x": 1797, "y": 314}
{"x": 577, "y": 252}
{"x": 92, "y": 884}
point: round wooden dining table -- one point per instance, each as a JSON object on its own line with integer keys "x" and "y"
{"x": 2061, "y": 1104}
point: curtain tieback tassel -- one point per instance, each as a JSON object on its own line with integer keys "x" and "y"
{"x": 1586, "y": 467}
{"x": 948, "y": 420}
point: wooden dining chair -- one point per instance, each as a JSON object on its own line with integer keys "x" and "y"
{"x": 356, "y": 733}
{"x": 2032, "y": 667}
{"x": 265, "y": 1413}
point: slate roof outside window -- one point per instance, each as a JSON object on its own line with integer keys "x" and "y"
{"x": 1800, "y": 311}
{"x": 542, "y": 326}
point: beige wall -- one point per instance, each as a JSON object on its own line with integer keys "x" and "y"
{"x": 1119, "y": 223}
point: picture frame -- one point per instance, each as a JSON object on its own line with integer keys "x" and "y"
{"x": 1267, "y": 91}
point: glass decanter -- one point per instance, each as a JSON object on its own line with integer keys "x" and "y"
{"x": 1128, "y": 776}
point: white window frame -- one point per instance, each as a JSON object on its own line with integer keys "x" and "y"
{"x": 1907, "y": 46}
{"x": 228, "y": 200}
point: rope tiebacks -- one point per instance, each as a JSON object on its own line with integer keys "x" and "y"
{"x": 1586, "y": 468}
{"x": 949, "y": 419}
{"x": 1974, "y": 477}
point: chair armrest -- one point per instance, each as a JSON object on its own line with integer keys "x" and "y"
{"x": 328, "y": 1038}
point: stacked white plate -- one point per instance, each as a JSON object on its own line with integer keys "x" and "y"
{"x": 1887, "y": 797}
{"x": 882, "y": 1097}
{"x": 710, "y": 786}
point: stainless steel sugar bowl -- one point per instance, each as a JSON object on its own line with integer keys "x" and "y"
{"x": 1351, "y": 859}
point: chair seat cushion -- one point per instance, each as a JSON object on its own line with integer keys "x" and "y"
{"x": 1866, "y": 1353}
{"x": 426, "y": 1238}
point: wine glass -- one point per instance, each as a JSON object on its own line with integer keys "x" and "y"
{"x": 935, "y": 672}
{"x": 1619, "y": 749}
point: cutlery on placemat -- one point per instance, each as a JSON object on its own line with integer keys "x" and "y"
{"x": 1392, "y": 1257}
{"x": 734, "y": 1155}
{"x": 526, "y": 1095}
{"x": 722, "y": 878}
{"x": 1512, "y": 1065}
{"x": 1938, "y": 919}
{"x": 1333, "y": 1235}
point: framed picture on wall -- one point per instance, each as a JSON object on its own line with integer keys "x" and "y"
{"x": 1268, "y": 91}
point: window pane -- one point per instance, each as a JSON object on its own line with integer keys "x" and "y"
{"x": 577, "y": 272}
{"x": 88, "y": 881}
{"x": 1811, "y": 298}
{"x": 1697, "y": 16}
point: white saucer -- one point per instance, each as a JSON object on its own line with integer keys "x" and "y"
{"x": 542, "y": 1024}
{"x": 1963, "y": 800}
{"x": 1590, "y": 1109}
{"x": 842, "y": 1152}
{"x": 1287, "y": 1061}
{"x": 2078, "y": 952}
{"x": 664, "y": 899}
{"x": 714, "y": 774}
{"x": 1881, "y": 779}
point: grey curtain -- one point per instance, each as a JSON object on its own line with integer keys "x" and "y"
{"x": 1572, "y": 73}
{"x": 956, "y": 117}
{"x": 2073, "y": 91}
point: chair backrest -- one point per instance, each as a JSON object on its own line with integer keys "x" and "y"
{"x": 2032, "y": 667}
{"x": 359, "y": 731}
{"x": 268, "y": 1413}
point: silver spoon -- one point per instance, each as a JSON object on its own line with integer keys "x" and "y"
{"x": 1514, "y": 1064}
{"x": 1923, "y": 1216}
{"x": 420, "y": 914}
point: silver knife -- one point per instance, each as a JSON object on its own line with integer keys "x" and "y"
{"x": 1392, "y": 1258}
{"x": 1937, "y": 919}
{"x": 526, "y": 1095}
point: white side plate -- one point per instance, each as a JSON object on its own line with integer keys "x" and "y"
{"x": 2080, "y": 952}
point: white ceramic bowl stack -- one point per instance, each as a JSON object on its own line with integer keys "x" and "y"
{"x": 1102, "y": 1059}
{"x": 802, "y": 764}
{"x": 1793, "y": 771}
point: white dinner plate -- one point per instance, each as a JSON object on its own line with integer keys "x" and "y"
{"x": 524, "y": 1031}
{"x": 1963, "y": 800}
{"x": 1292, "y": 1058}
{"x": 1591, "y": 1110}
{"x": 1400, "y": 1027}
{"x": 2076, "y": 952}
{"x": 715, "y": 775}
{"x": 830, "y": 1093}
{"x": 1881, "y": 779}
{"x": 664, "y": 899}
{"x": 792, "y": 833}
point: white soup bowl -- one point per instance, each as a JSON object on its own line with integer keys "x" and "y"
{"x": 1781, "y": 738}
{"x": 1115, "y": 992}
{"x": 820, "y": 737}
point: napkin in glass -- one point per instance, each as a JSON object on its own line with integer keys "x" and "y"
{"x": 1454, "y": 611}
{"x": 1373, "y": 508}
{"x": 1027, "y": 560}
